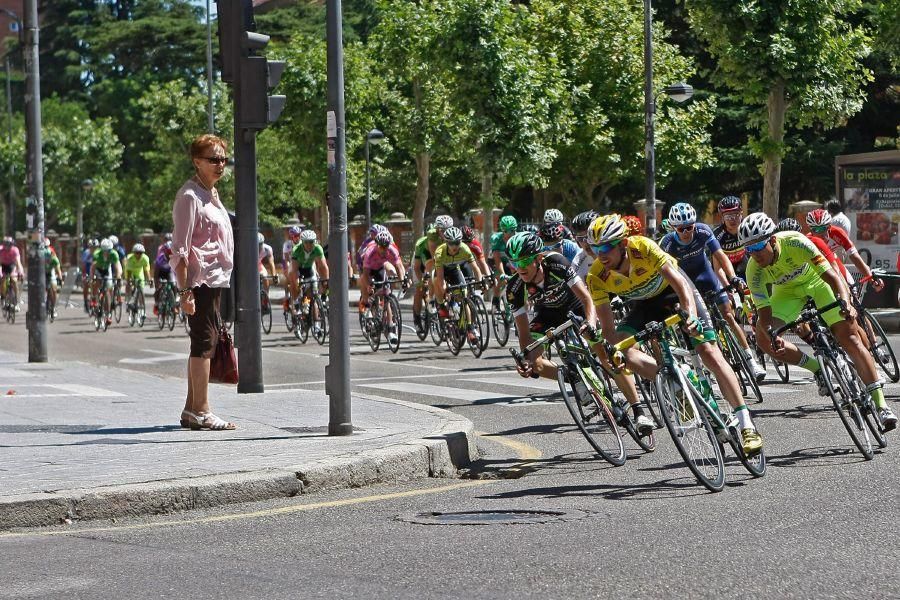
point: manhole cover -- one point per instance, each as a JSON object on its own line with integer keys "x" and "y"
{"x": 492, "y": 517}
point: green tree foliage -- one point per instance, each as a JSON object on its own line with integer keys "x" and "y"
{"x": 801, "y": 60}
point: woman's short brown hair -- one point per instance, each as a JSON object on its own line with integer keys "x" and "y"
{"x": 202, "y": 144}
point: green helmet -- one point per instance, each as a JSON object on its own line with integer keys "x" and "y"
{"x": 508, "y": 224}
{"x": 523, "y": 245}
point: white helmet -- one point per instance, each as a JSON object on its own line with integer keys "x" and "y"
{"x": 682, "y": 214}
{"x": 307, "y": 235}
{"x": 552, "y": 215}
{"x": 106, "y": 244}
{"x": 260, "y": 239}
{"x": 137, "y": 248}
{"x": 755, "y": 228}
{"x": 114, "y": 240}
{"x": 443, "y": 221}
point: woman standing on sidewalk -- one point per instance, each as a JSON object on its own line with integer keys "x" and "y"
{"x": 202, "y": 258}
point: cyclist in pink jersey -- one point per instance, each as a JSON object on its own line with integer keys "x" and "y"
{"x": 381, "y": 260}
{"x": 11, "y": 263}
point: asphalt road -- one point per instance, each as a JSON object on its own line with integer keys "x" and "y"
{"x": 819, "y": 524}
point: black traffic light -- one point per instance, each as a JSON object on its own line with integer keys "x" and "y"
{"x": 252, "y": 75}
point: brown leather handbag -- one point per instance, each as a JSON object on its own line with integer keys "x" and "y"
{"x": 223, "y": 366}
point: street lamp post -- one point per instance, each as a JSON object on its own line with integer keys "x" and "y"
{"x": 11, "y": 199}
{"x": 211, "y": 124}
{"x": 374, "y": 137}
{"x": 86, "y": 186}
{"x": 679, "y": 92}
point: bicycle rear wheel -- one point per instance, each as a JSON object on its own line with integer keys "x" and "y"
{"x": 844, "y": 402}
{"x": 879, "y": 346}
{"x": 741, "y": 367}
{"x": 499, "y": 321}
{"x": 591, "y": 413}
{"x": 690, "y": 429}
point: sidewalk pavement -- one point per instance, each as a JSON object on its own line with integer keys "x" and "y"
{"x": 86, "y": 442}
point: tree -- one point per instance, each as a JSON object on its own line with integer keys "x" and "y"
{"x": 801, "y": 59}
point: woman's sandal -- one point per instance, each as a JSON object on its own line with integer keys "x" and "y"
{"x": 188, "y": 419}
{"x": 213, "y": 423}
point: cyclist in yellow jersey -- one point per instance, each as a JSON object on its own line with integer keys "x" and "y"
{"x": 796, "y": 270}
{"x": 636, "y": 269}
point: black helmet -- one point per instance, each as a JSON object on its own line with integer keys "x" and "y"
{"x": 788, "y": 225}
{"x": 583, "y": 220}
{"x": 729, "y": 204}
{"x": 523, "y": 245}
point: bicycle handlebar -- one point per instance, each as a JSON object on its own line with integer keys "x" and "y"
{"x": 652, "y": 329}
{"x": 806, "y": 315}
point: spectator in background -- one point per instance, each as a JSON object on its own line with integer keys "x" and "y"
{"x": 837, "y": 215}
{"x": 203, "y": 260}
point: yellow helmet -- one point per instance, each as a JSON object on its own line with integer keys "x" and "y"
{"x": 607, "y": 228}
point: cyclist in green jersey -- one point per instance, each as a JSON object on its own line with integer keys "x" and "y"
{"x": 306, "y": 255}
{"x": 53, "y": 274}
{"x": 422, "y": 263}
{"x": 137, "y": 268}
{"x": 797, "y": 271}
{"x": 502, "y": 269}
{"x": 106, "y": 265}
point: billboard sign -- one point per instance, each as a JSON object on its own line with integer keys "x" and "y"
{"x": 871, "y": 196}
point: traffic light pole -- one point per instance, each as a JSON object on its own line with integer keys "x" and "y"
{"x": 36, "y": 317}
{"x": 337, "y": 372}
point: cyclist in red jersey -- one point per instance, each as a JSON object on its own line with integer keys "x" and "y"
{"x": 474, "y": 245}
{"x": 820, "y": 225}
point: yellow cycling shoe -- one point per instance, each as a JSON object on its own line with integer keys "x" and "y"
{"x": 752, "y": 441}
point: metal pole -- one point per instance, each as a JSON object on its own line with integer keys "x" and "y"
{"x": 211, "y": 125}
{"x": 368, "y": 189}
{"x": 36, "y": 318}
{"x": 649, "y": 111}
{"x": 11, "y": 200}
{"x": 337, "y": 372}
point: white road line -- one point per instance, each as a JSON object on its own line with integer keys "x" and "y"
{"x": 164, "y": 357}
{"x": 68, "y": 390}
{"x": 466, "y": 395}
{"x": 536, "y": 385}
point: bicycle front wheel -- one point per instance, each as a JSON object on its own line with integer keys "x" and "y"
{"x": 499, "y": 321}
{"x": 591, "y": 413}
{"x": 741, "y": 367}
{"x": 320, "y": 322}
{"x": 690, "y": 429}
{"x": 117, "y": 309}
{"x": 105, "y": 316}
{"x": 435, "y": 327}
{"x": 265, "y": 313}
{"x": 474, "y": 328}
{"x": 395, "y": 324}
{"x": 879, "y": 346}
{"x": 484, "y": 328}
{"x": 140, "y": 308}
{"x": 847, "y": 408}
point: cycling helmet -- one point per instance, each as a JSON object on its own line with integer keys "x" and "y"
{"x": 756, "y": 227}
{"x": 307, "y": 235}
{"x": 468, "y": 233}
{"x": 788, "y": 225}
{"x": 94, "y": 243}
{"x": 508, "y": 224}
{"x": 384, "y": 238}
{"x": 523, "y": 245}
{"x": 114, "y": 240}
{"x": 667, "y": 227}
{"x": 552, "y": 215}
{"x": 635, "y": 227}
{"x": 260, "y": 239}
{"x": 373, "y": 230}
{"x": 106, "y": 244}
{"x": 605, "y": 229}
{"x": 7, "y": 240}
{"x": 293, "y": 231}
{"x": 137, "y": 248}
{"x": 583, "y": 220}
{"x": 453, "y": 235}
{"x": 168, "y": 237}
{"x": 818, "y": 218}
{"x": 443, "y": 221}
{"x": 729, "y": 204}
{"x": 682, "y": 214}
{"x": 531, "y": 228}
{"x": 552, "y": 232}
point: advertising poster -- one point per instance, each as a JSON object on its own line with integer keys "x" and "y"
{"x": 871, "y": 195}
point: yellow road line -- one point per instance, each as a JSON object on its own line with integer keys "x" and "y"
{"x": 254, "y": 514}
{"x": 524, "y": 451}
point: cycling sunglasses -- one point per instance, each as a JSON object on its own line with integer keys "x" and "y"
{"x": 820, "y": 228}
{"x": 524, "y": 263}
{"x": 754, "y": 248}
{"x": 604, "y": 248}
{"x": 684, "y": 228}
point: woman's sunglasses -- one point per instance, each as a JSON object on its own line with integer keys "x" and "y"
{"x": 216, "y": 160}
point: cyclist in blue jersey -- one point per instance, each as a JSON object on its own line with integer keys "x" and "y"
{"x": 701, "y": 257}
{"x": 552, "y": 236}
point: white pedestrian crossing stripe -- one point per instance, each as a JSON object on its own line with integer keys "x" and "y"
{"x": 453, "y": 393}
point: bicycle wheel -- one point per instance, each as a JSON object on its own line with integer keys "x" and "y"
{"x": 105, "y": 316}
{"x": 690, "y": 429}
{"x": 484, "y": 328}
{"x": 140, "y": 309}
{"x": 474, "y": 327}
{"x": 265, "y": 312}
{"x": 591, "y": 413}
{"x": 424, "y": 325}
{"x": 844, "y": 402}
{"x": 117, "y": 309}
{"x": 499, "y": 321}
{"x": 648, "y": 399}
{"x": 301, "y": 325}
{"x": 755, "y": 465}
{"x": 435, "y": 327}
{"x": 11, "y": 302}
{"x": 131, "y": 311}
{"x": 49, "y": 306}
{"x": 879, "y": 346}
{"x": 452, "y": 334}
{"x": 741, "y": 367}
{"x": 395, "y": 323}
{"x": 320, "y": 322}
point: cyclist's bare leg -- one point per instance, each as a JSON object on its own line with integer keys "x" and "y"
{"x": 715, "y": 361}
{"x": 731, "y": 319}
{"x": 847, "y": 335}
{"x": 625, "y": 383}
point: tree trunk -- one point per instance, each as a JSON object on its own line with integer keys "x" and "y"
{"x": 777, "y": 107}
{"x": 423, "y": 174}
{"x": 487, "y": 207}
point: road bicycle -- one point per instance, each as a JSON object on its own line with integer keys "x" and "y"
{"x": 10, "y": 298}
{"x": 382, "y": 315}
{"x": 309, "y": 313}
{"x": 467, "y": 319}
{"x": 423, "y": 326}
{"x": 51, "y": 295}
{"x": 136, "y": 308}
{"x": 845, "y": 388}
{"x": 731, "y": 348}
{"x": 876, "y": 339}
{"x": 699, "y": 422}
{"x": 101, "y": 303}
{"x": 167, "y": 306}
{"x": 586, "y": 397}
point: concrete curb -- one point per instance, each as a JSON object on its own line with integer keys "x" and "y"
{"x": 438, "y": 454}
